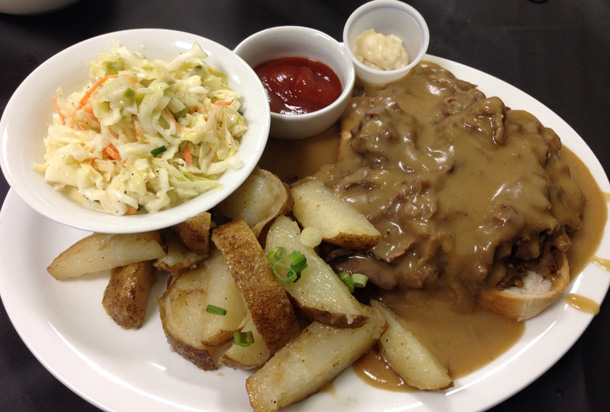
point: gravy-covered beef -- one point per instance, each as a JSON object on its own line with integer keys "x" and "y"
{"x": 456, "y": 182}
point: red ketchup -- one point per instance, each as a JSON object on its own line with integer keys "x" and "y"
{"x": 298, "y": 85}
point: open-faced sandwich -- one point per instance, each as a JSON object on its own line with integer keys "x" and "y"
{"x": 467, "y": 193}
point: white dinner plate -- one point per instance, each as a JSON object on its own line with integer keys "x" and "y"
{"x": 67, "y": 329}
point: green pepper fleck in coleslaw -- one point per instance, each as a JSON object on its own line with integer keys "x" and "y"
{"x": 143, "y": 135}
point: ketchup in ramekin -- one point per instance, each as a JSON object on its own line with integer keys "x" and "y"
{"x": 298, "y": 85}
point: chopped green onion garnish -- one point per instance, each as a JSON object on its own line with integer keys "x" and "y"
{"x": 276, "y": 254}
{"x": 215, "y": 310}
{"x": 311, "y": 236}
{"x": 243, "y": 338}
{"x": 359, "y": 280}
{"x": 158, "y": 150}
{"x": 285, "y": 273}
{"x": 347, "y": 279}
{"x": 298, "y": 262}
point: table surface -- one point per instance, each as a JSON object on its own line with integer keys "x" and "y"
{"x": 556, "y": 51}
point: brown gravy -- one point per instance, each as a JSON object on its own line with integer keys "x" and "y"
{"x": 374, "y": 370}
{"x": 459, "y": 185}
{"x": 464, "y": 339}
{"x": 601, "y": 262}
{"x": 582, "y": 303}
{"x": 295, "y": 159}
{"x": 585, "y": 241}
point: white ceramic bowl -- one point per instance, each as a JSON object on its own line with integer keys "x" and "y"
{"x": 287, "y": 41}
{"x": 387, "y": 17}
{"x": 32, "y": 6}
{"x": 29, "y": 111}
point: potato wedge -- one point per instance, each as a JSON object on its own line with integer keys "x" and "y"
{"x": 267, "y": 302}
{"x": 253, "y": 356}
{"x": 261, "y": 198}
{"x": 319, "y": 293}
{"x": 126, "y": 296}
{"x": 198, "y": 354}
{"x": 195, "y": 232}
{"x": 341, "y": 224}
{"x": 178, "y": 256}
{"x": 311, "y": 360}
{"x": 409, "y": 358}
{"x": 189, "y": 328}
{"x": 101, "y": 251}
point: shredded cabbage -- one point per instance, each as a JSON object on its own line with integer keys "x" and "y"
{"x": 143, "y": 135}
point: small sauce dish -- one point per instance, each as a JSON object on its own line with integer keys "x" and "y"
{"x": 302, "y": 42}
{"x": 388, "y": 17}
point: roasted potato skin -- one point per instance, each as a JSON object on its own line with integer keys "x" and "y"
{"x": 195, "y": 232}
{"x": 190, "y": 330}
{"x": 177, "y": 335}
{"x": 253, "y": 356}
{"x": 101, "y": 251}
{"x": 178, "y": 257}
{"x": 200, "y": 357}
{"x": 315, "y": 205}
{"x": 319, "y": 294}
{"x": 311, "y": 360}
{"x": 266, "y": 300}
{"x": 259, "y": 200}
{"x": 126, "y": 296}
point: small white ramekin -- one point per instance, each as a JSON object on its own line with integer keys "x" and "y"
{"x": 288, "y": 41}
{"x": 387, "y": 17}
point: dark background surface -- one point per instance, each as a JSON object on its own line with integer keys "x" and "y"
{"x": 556, "y": 50}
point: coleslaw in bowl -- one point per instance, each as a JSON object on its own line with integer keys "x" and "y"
{"x": 158, "y": 127}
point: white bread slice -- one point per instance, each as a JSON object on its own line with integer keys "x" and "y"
{"x": 524, "y": 303}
